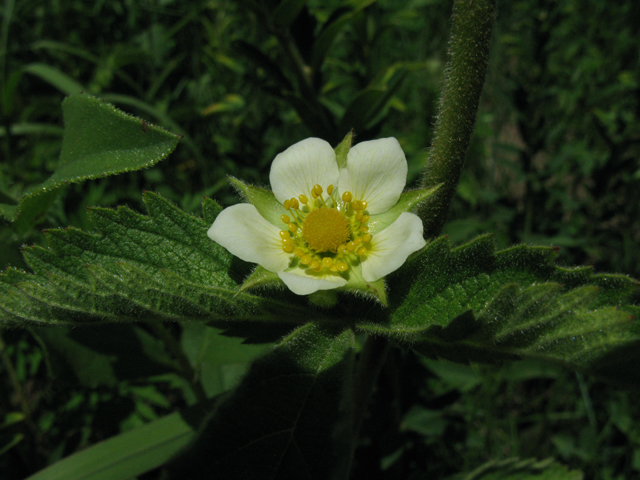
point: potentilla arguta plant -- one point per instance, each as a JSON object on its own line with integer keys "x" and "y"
{"x": 335, "y": 252}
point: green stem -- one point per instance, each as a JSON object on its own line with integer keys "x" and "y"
{"x": 472, "y": 21}
{"x": 186, "y": 370}
{"x": 372, "y": 358}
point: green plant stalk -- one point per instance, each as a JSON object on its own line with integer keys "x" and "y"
{"x": 472, "y": 21}
{"x": 468, "y": 55}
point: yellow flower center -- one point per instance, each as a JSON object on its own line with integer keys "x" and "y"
{"x": 325, "y": 229}
{"x": 336, "y": 229}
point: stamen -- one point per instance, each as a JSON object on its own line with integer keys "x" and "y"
{"x": 330, "y": 189}
{"x": 366, "y": 238}
{"x": 284, "y": 234}
{"x": 285, "y": 219}
{"x": 347, "y": 196}
{"x": 298, "y": 252}
{"x": 365, "y": 218}
{"x": 306, "y": 259}
{"x": 287, "y": 205}
{"x": 293, "y": 227}
{"x": 342, "y": 266}
{"x": 327, "y": 262}
{"x": 361, "y": 251}
{"x": 303, "y": 199}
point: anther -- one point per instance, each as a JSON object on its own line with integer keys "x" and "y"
{"x": 317, "y": 189}
{"x": 364, "y": 228}
{"x": 288, "y": 247}
{"x": 287, "y": 205}
{"x": 357, "y": 241}
{"x": 298, "y": 252}
{"x": 330, "y": 189}
{"x": 285, "y": 219}
{"x": 303, "y": 199}
{"x": 342, "y": 266}
{"x": 341, "y": 248}
{"x": 315, "y": 265}
{"x": 327, "y": 262}
{"x": 357, "y": 205}
{"x": 364, "y": 219}
{"x": 362, "y": 251}
{"x": 284, "y": 234}
{"x": 351, "y": 246}
{"x": 294, "y": 203}
{"x": 306, "y": 259}
{"x": 359, "y": 216}
{"x": 347, "y": 196}
{"x": 364, "y": 205}
{"x": 293, "y": 227}
{"x": 366, "y": 238}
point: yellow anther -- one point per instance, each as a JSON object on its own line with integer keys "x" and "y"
{"x": 285, "y": 219}
{"x": 293, "y": 227}
{"x": 294, "y": 203}
{"x": 315, "y": 265}
{"x": 330, "y": 189}
{"x": 327, "y": 262}
{"x": 317, "y": 189}
{"x": 341, "y": 248}
{"x": 363, "y": 204}
{"x": 366, "y": 238}
{"x": 287, "y": 205}
{"x": 362, "y": 251}
{"x": 306, "y": 259}
{"x": 364, "y": 228}
{"x": 359, "y": 216}
{"x": 364, "y": 219}
{"x": 342, "y": 266}
{"x": 287, "y": 241}
{"x": 347, "y": 196}
{"x": 333, "y": 268}
{"x": 284, "y": 234}
{"x": 298, "y": 252}
{"x": 357, "y": 241}
{"x": 288, "y": 247}
{"x": 303, "y": 199}
{"x": 357, "y": 205}
{"x": 351, "y": 246}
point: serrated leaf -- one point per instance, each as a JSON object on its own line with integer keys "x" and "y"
{"x": 98, "y": 140}
{"x": 158, "y": 267}
{"x": 516, "y": 469}
{"x": 472, "y": 303}
{"x": 284, "y": 419}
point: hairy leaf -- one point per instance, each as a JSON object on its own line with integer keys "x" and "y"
{"x": 285, "y": 420}
{"x": 156, "y": 267}
{"x": 472, "y": 303}
{"x": 98, "y": 140}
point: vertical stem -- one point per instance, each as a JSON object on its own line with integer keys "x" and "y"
{"x": 371, "y": 359}
{"x": 464, "y": 76}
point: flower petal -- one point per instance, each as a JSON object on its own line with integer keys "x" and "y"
{"x": 391, "y": 247}
{"x": 304, "y": 164}
{"x": 376, "y": 172}
{"x": 246, "y": 234}
{"x": 303, "y": 284}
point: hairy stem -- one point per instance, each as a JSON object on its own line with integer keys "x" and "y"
{"x": 472, "y": 21}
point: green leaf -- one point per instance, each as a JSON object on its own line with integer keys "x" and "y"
{"x": 98, "y": 140}
{"x": 475, "y": 304}
{"x": 160, "y": 267}
{"x": 289, "y": 416}
{"x": 516, "y": 469}
{"x": 132, "y": 453}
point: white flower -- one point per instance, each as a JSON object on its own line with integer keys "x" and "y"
{"x": 332, "y": 224}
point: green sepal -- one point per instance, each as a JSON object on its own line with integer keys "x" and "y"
{"x": 263, "y": 199}
{"x": 261, "y": 277}
{"x": 371, "y": 290}
{"x": 408, "y": 202}
{"x": 343, "y": 148}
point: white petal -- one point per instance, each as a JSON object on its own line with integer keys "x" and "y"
{"x": 303, "y": 284}
{"x": 391, "y": 247}
{"x": 376, "y": 172}
{"x": 246, "y": 234}
{"x": 304, "y": 164}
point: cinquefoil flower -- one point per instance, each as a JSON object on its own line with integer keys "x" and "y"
{"x": 333, "y": 224}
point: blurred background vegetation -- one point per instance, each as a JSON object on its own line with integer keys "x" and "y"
{"x": 554, "y": 160}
